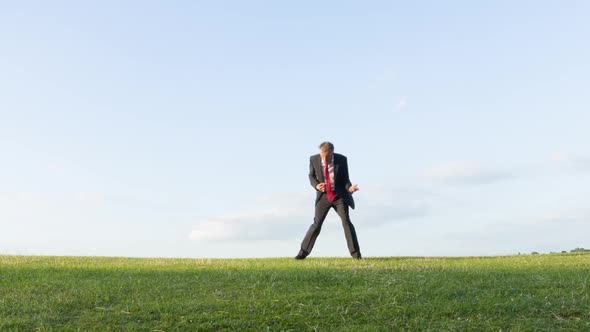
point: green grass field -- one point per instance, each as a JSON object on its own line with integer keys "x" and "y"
{"x": 513, "y": 293}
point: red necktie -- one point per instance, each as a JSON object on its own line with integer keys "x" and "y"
{"x": 328, "y": 184}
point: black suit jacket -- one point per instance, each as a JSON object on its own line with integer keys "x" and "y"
{"x": 316, "y": 176}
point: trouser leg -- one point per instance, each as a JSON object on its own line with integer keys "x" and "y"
{"x": 349, "y": 231}
{"x": 321, "y": 211}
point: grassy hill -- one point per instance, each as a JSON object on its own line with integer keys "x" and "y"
{"x": 518, "y": 293}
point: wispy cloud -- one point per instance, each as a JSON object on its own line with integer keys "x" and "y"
{"x": 563, "y": 217}
{"x": 285, "y": 215}
{"x": 401, "y": 103}
{"x": 381, "y": 205}
{"x": 465, "y": 173}
{"x": 275, "y": 217}
{"x": 250, "y": 227}
{"x": 550, "y": 231}
{"x": 571, "y": 161}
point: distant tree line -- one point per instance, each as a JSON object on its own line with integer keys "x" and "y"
{"x": 579, "y": 249}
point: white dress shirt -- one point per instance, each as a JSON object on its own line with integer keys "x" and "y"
{"x": 331, "y": 171}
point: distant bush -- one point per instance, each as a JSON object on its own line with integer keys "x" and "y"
{"x": 579, "y": 250}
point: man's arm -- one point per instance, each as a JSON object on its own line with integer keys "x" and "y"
{"x": 351, "y": 188}
{"x": 313, "y": 180}
{"x": 347, "y": 183}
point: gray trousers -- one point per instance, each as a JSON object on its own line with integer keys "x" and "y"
{"x": 321, "y": 211}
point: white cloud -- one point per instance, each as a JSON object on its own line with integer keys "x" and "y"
{"x": 571, "y": 161}
{"x": 563, "y": 217}
{"x": 401, "y": 103}
{"x": 214, "y": 230}
{"x": 249, "y": 227}
{"x": 393, "y": 205}
{"x": 274, "y": 217}
{"x": 287, "y": 215}
{"x": 76, "y": 223}
{"x": 550, "y": 231}
{"x": 465, "y": 173}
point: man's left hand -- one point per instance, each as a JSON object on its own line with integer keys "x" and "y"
{"x": 353, "y": 188}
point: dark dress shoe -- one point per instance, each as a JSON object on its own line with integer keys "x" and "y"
{"x": 301, "y": 255}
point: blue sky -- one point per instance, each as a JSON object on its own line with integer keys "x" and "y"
{"x": 183, "y": 129}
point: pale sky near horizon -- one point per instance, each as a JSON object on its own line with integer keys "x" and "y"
{"x": 184, "y": 128}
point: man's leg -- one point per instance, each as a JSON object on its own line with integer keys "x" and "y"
{"x": 349, "y": 231}
{"x": 321, "y": 211}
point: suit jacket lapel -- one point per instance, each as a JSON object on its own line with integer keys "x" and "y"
{"x": 321, "y": 169}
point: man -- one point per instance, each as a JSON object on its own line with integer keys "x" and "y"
{"x": 328, "y": 174}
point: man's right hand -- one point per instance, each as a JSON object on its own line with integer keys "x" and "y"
{"x": 321, "y": 187}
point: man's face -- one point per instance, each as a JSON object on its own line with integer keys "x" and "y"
{"x": 326, "y": 155}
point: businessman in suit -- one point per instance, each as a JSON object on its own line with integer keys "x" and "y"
{"x": 328, "y": 175}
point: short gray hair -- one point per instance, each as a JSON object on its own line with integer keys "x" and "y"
{"x": 327, "y": 146}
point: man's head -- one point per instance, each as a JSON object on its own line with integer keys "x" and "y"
{"x": 326, "y": 151}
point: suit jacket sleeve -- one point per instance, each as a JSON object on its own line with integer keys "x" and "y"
{"x": 313, "y": 179}
{"x": 347, "y": 183}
